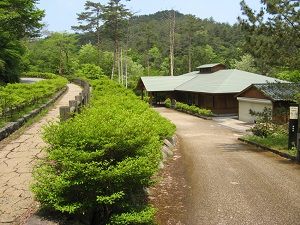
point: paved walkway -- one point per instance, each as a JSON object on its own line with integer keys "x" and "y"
{"x": 234, "y": 124}
{"x": 230, "y": 182}
{"x": 17, "y": 158}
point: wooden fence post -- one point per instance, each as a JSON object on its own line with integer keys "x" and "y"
{"x": 73, "y": 106}
{"x": 64, "y": 112}
{"x": 79, "y": 99}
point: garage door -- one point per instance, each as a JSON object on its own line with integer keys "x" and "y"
{"x": 257, "y": 105}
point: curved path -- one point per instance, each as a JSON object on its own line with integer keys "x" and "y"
{"x": 17, "y": 158}
{"x": 231, "y": 182}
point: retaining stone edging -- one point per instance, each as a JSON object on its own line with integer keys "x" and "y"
{"x": 282, "y": 154}
{"x": 13, "y": 126}
{"x": 167, "y": 149}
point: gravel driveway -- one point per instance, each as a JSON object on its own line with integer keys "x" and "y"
{"x": 231, "y": 182}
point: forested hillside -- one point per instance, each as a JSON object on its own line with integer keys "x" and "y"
{"x": 146, "y": 43}
{"x": 205, "y": 40}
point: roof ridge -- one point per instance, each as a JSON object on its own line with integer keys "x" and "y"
{"x": 196, "y": 75}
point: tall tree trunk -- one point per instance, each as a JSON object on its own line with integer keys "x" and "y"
{"x": 113, "y": 65}
{"x": 126, "y": 72}
{"x": 190, "y": 54}
{"x": 125, "y": 54}
{"x": 61, "y": 61}
{"x": 148, "y": 65}
{"x": 98, "y": 47}
{"x": 172, "y": 41}
{"x": 67, "y": 60}
{"x": 121, "y": 66}
{"x": 118, "y": 63}
{"x": 98, "y": 38}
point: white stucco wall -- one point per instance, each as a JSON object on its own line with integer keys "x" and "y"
{"x": 257, "y": 105}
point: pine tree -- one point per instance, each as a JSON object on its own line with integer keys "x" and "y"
{"x": 116, "y": 17}
{"x": 273, "y": 34}
{"x": 90, "y": 20}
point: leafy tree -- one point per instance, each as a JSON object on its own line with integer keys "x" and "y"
{"x": 155, "y": 59}
{"x": 53, "y": 54}
{"x": 18, "y": 19}
{"x": 11, "y": 51}
{"x": 90, "y": 71}
{"x": 205, "y": 54}
{"x": 190, "y": 25}
{"x": 293, "y": 76}
{"x": 88, "y": 54}
{"x": 106, "y": 61}
{"x": 273, "y": 34}
{"x": 135, "y": 71}
{"x": 246, "y": 63}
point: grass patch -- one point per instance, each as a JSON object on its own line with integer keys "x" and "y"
{"x": 278, "y": 142}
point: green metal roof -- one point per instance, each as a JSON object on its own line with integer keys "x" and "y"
{"x": 222, "y": 81}
{"x": 164, "y": 83}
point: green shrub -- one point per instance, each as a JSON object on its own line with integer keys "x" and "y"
{"x": 106, "y": 155}
{"x": 146, "y": 99}
{"x": 193, "y": 109}
{"x": 144, "y": 217}
{"x": 168, "y": 103}
{"x": 18, "y": 96}
{"x": 264, "y": 125}
{"x": 40, "y": 75}
{"x": 90, "y": 71}
{"x": 262, "y": 129}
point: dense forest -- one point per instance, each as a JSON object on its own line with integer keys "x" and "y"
{"x": 109, "y": 40}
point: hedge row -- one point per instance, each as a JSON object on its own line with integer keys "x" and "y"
{"x": 15, "y": 97}
{"x": 100, "y": 162}
{"x": 189, "y": 108}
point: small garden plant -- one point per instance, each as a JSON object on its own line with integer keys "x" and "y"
{"x": 269, "y": 133}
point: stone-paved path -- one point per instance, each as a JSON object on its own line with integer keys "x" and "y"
{"x": 17, "y": 158}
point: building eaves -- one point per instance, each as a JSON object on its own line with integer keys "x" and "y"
{"x": 208, "y": 65}
{"x": 279, "y": 91}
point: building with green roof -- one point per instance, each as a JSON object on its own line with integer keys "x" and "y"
{"x": 211, "y": 87}
{"x": 276, "y": 97}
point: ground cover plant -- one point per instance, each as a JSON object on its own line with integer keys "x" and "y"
{"x": 268, "y": 133}
{"x": 189, "y": 108}
{"x": 19, "y": 98}
{"x": 100, "y": 162}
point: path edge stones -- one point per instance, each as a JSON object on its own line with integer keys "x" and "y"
{"x": 169, "y": 144}
{"x": 14, "y": 126}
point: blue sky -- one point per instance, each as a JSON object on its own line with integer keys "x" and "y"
{"x": 61, "y": 14}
